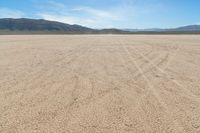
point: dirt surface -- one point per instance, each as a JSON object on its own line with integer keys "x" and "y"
{"x": 100, "y": 84}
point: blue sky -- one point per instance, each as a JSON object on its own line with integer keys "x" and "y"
{"x": 107, "y": 13}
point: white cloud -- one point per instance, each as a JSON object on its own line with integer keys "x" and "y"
{"x": 125, "y": 13}
{"x": 97, "y": 13}
{"x": 70, "y": 19}
{"x": 49, "y": 5}
{"x": 10, "y": 13}
{"x": 57, "y": 17}
{"x": 55, "y": 4}
{"x": 83, "y": 15}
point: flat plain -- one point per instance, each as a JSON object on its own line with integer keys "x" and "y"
{"x": 100, "y": 83}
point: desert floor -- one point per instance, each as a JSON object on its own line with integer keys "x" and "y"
{"x": 100, "y": 83}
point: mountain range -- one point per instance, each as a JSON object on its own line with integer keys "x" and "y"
{"x": 25, "y": 25}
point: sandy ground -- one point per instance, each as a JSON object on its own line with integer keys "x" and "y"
{"x": 100, "y": 84}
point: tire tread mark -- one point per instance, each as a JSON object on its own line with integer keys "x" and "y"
{"x": 163, "y": 104}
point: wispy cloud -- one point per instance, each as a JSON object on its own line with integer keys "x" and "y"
{"x": 48, "y": 5}
{"x": 11, "y": 13}
{"x": 123, "y": 14}
{"x": 83, "y": 15}
{"x": 62, "y": 18}
{"x": 90, "y": 22}
{"x": 55, "y": 4}
{"x": 97, "y": 13}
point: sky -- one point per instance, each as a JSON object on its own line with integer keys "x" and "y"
{"x": 107, "y": 13}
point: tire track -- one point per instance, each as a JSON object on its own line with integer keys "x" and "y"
{"x": 149, "y": 68}
{"x": 180, "y": 100}
{"x": 162, "y": 103}
{"x": 172, "y": 58}
{"x": 197, "y": 99}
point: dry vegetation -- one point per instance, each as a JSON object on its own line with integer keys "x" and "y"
{"x": 100, "y": 84}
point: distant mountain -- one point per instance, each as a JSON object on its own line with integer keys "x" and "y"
{"x": 29, "y": 26}
{"x": 25, "y": 24}
{"x": 138, "y": 30}
{"x": 112, "y": 30}
{"x": 188, "y": 28}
